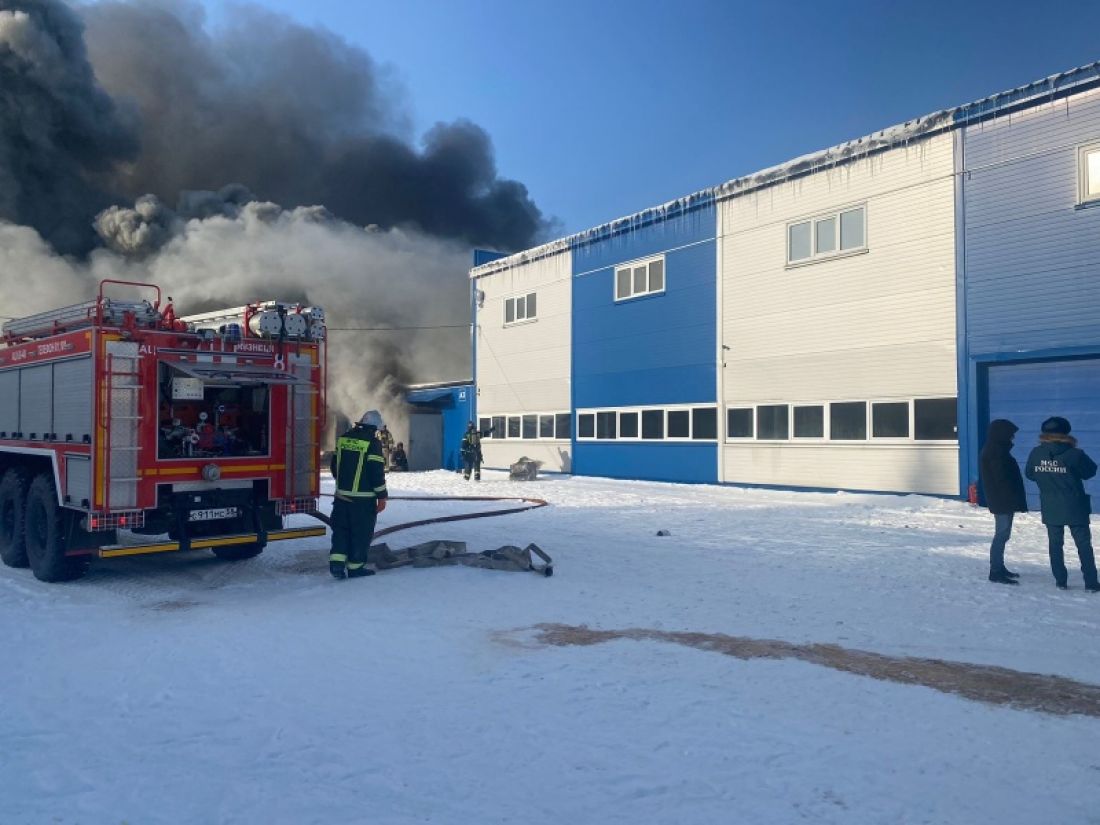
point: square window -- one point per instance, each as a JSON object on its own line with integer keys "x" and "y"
{"x": 546, "y": 426}
{"x": 851, "y": 229}
{"x": 509, "y": 310}
{"x": 936, "y": 419}
{"x": 499, "y": 426}
{"x": 513, "y": 426}
{"x": 809, "y": 422}
{"x": 890, "y": 419}
{"x": 653, "y": 424}
{"x": 657, "y": 275}
{"x": 825, "y": 236}
{"x": 530, "y": 426}
{"x": 563, "y": 425}
{"x": 628, "y": 425}
{"x": 704, "y": 423}
{"x": 586, "y": 425}
{"x": 848, "y": 421}
{"x": 1088, "y": 163}
{"x": 772, "y": 421}
{"x": 739, "y": 422}
{"x": 484, "y": 424}
{"x": 605, "y": 425}
{"x": 622, "y": 283}
{"x": 679, "y": 424}
{"x": 798, "y": 244}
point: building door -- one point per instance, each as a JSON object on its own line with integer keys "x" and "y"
{"x": 1029, "y": 393}
{"x": 425, "y": 446}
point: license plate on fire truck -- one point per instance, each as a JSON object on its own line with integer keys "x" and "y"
{"x": 214, "y": 514}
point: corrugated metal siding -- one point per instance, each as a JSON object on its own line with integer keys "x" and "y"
{"x": 9, "y": 401}
{"x": 870, "y": 326}
{"x": 554, "y": 455}
{"x": 694, "y": 463}
{"x": 1032, "y": 259}
{"x": 657, "y": 349}
{"x": 525, "y": 367}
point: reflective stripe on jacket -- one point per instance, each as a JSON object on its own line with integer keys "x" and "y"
{"x": 358, "y": 465}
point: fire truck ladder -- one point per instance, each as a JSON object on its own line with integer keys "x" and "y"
{"x": 123, "y": 396}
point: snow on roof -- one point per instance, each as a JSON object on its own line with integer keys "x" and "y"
{"x": 1049, "y": 88}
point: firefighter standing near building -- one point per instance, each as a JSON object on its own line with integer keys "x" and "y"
{"x": 385, "y": 438}
{"x": 471, "y": 451}
{"x": 360, "y": 473}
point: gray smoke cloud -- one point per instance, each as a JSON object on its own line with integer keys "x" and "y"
{"x": 59, "y": 130}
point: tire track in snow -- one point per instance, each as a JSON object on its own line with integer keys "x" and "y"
{"x": 1056, "y": 695}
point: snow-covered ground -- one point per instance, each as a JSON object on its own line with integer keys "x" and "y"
{"x": 181, "y": 689}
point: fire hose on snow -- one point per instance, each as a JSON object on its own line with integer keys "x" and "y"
{"x": 437, "y": 553}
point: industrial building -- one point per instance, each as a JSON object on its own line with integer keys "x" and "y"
{"x": 851, "y": 319}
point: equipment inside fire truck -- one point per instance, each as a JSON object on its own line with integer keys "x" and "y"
{"x": 126, "y": 429}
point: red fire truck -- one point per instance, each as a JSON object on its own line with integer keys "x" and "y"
{"x": 125, "y": 429}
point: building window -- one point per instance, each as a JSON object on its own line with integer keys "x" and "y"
{"x": 605, "y": 425}
{"x": 520, "y": 308}
{"x": 640, "y": 278}
{"x": 704, "y": 423}
{"x": 513, "y": 426}
{"x": 586, "y": 425}
{"x": 679, "y": 424}
{"x": 563, "y": 425}
{"x": 739, "y": 422}
{"x": 628, "y": 425}
{"x": 826, "y": 236}
{"x": 1088, "y": 162}
{"x": 485, "y": 425}
{"x": 653, "y": 424}
{"x": 530, "y": 426}
{"x": 936, "y": 419}
{"x": 890, "y": 419}
{"x": 809, "y": 421}
{"x": 848, "y": 421}
{"x": 546, "y": 426}
{"x": 499, "y": 427}
{"x": 772, "y": 422}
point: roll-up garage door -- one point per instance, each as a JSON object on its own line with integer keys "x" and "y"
{"x": 1027, "y": 394}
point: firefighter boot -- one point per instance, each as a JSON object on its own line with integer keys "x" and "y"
{"x": 337, "y": 569}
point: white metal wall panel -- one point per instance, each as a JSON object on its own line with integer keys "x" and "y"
{"x": 9, "y": 401}
{"x": 905, "y": 468}
{"x": 525, "y": 367}
{"x": 72, "y": 398}
{"x": 36, "y": 400}
{"x": 874, "y": 325}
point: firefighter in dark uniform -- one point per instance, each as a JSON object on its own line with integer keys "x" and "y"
{"x": 360, "y": 473}
{"x": 471, "y": 451}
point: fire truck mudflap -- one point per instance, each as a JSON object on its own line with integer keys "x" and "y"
{"x": 125, "y": 429}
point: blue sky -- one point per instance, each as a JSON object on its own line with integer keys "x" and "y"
{"x": 603, "y": 108}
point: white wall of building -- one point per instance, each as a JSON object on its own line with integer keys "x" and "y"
{"x": 878, "y": 325}
{"x": 524, "y": 367}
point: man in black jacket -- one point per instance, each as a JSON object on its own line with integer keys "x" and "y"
{"x": 471, "y": 451}
{"x": 1003, "y": 485}
{"x": 360, "y": 473}
{"x": 1059, "y": 467}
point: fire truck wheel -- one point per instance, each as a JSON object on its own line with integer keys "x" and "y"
{"x": 13, "y": 509}
{"x": 237, "y": 552}
{"x": 45, "y": 531}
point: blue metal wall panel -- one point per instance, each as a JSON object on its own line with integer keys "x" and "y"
{"x": 456, "y": 407}
{"x": 1029, "y": 393}
{"x": 657, "y": 349}
{"x": 681, "y": 461}
{"x": 1030, "y": 257}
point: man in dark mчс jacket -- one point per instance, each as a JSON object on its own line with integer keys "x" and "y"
{"x": 1059, "y": 467}
{"x": 360, "y": 473}
{"x": 1003, "y": 485}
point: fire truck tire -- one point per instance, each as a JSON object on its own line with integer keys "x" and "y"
{"x": 13, "y": 510}
{"x": 45, "y": 532}
{"x": 238, "y": 552}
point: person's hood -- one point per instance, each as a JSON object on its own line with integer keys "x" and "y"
{"x": 1002, "y": 431}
